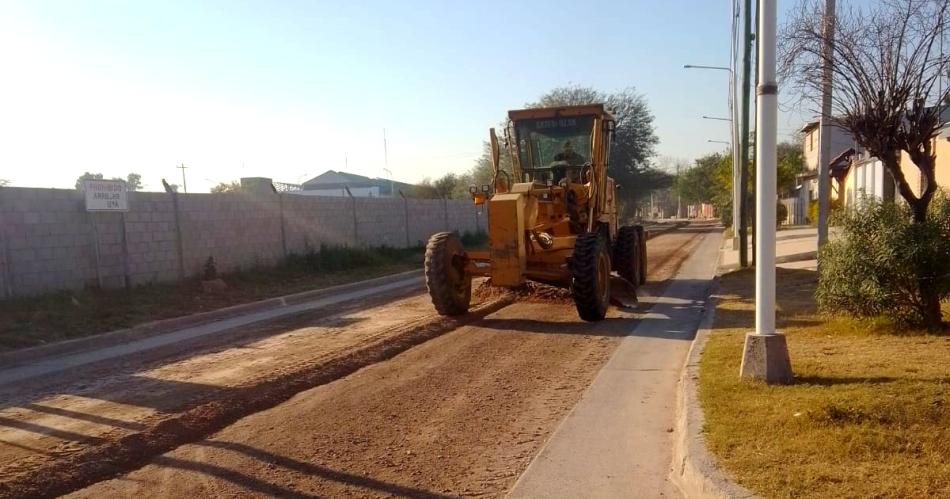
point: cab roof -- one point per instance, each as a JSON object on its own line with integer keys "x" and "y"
{"x": 556, "y": 112}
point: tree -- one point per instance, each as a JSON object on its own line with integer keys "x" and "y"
{"x": 790, "y": 163}
{"x": 890, "y": 79}
{"x": 890, "y": 87}
{"x": 448, "y": 186}
{"x": 87, "y": 176}
{"x": 4, "y": 182}
{"x": 222, "y": 187}
{"x": 134, "y": 181}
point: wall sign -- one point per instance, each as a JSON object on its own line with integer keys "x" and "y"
{"x": 106, "y": 195}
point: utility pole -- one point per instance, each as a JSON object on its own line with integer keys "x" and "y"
{"x": 744, "y": 136}
{"x": 184, "y": 183}
{"x": 765, "y": 355}
{"x": 824, "y": 141}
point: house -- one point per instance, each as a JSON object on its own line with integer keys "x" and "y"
{"x": 806, "y": 193}
{"x": 863, "y": 176}
{"x": 941, "y": 148}
{"x": 335, "y": 184}
{"x": 841, "y": 141}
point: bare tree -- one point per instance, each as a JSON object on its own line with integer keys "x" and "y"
{"x": 890, "y": 90}
{"x": 890, "y": 79}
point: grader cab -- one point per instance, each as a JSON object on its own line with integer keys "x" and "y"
{"x": 551, "y": 219}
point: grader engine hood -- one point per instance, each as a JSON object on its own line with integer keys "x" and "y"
{"x": 509, "y": 214}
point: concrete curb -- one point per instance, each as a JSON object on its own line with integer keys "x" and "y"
{"x": 18, "y": 357}
{"x": 694, "y": 468}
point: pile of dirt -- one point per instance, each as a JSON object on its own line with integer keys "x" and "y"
{"x": 533, "y": 292}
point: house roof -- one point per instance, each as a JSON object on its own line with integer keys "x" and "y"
{"x": 332, "y": 179}
{"x": 838, "y": 167}
{"x": 811, "y": 125}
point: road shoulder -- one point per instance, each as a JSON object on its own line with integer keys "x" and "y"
{"x": 694, "y": 467}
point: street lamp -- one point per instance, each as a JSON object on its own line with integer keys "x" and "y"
{"x": 738, "y": 239}
{"x": 696, "y": 66}
{"x": 715, "y": 118}
{"x": 711, "y": 141}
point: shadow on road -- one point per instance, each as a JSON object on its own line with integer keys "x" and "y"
{"x": 290, "y": 464}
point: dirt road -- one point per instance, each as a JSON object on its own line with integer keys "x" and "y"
{"x": 461, "y": 413}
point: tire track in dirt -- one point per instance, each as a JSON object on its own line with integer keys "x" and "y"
{"x": 462, "y": 414}
{"x": 111, "y": 458}
{"x": 132, "y": 451}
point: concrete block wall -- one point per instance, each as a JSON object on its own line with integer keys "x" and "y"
{"x": 49, "y": 242}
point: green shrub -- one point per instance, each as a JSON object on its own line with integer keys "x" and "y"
{"x": 884, "y": 265}
{"x": 781, "y": 213}
{"x": 811, "y": 214}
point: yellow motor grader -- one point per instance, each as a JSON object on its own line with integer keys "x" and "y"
{"x": 551, "y": 219}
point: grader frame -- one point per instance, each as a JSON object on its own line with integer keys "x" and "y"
{"x": 552, "y": 219}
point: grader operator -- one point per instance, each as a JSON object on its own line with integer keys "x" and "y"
{"x": 551, "y": 219}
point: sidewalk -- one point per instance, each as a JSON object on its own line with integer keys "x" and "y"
{"x": 617, "y": 441}
{"x": 794, "y": 248}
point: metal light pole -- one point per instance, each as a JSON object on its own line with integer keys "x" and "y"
{"x": 765, "y": 355}
{"x": 737, "y": 211}
{"x": 743, "y": 159}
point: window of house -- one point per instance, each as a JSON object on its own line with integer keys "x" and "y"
{"x": 811, "y": 141}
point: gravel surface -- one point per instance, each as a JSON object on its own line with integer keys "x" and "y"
{"x": 384, "y": 400}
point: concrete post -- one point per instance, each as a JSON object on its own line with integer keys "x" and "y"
{"x": 179, "y": 244}
{"x": 283, "y": 230}
{"x": 765, "y": 355}
{"x": 445, "y": 213}
{"x": 95, "y": 247}
{"x": 405, "y": 209}
{"x": 126, "y": 268}
{"x": 356, "y": 234}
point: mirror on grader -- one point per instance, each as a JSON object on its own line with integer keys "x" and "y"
{"x": 552, "y": 219}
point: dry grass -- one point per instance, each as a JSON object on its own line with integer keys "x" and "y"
{"x": 868, "y": 415}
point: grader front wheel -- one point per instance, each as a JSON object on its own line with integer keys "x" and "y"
{"x": 590, "y": 276}
{"x": 450, "y": 287}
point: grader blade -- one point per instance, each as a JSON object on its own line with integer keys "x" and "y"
{"x": 623, "y": 294}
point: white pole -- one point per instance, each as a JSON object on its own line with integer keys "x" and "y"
{"x": 766, "y": 131}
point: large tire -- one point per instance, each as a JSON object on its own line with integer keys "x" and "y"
{"x": 642, "y": 254}
{"x": 626, "y": 258}
{"x": 590, "y": 276}
{"x": 450, "y": 287}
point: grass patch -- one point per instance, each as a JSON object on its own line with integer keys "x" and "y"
{"x": 867, "y": 416}
{"x": 26, "y": 322}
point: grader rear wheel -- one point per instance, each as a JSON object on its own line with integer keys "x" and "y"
{"x": 642, "y": 254}
{"x": 590, "y": 276}
{"x": 450, "y": 287}
{"x": 626, "y": 258}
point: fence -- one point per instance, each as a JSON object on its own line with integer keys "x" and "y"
{"x": 49, "y": 242}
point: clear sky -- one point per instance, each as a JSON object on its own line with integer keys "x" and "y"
{"x": 289, "y": 89}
